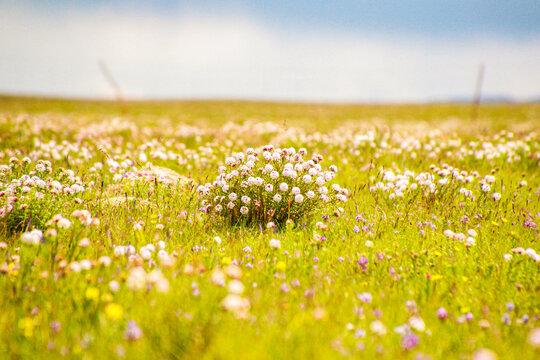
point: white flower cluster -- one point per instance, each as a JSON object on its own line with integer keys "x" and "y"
{"x": 270, "y": 185}
{"x": 435, "y": 182}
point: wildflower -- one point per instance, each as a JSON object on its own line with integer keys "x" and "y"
{"x": 114, "y": 311}
{"x": 534, "y": 338}
{"x": 275, "y": 243}
{"x": 417, "y": 323}
{"x": 33, "y": 237}
{"x": 365, "y": 297}
{"x": 236, "y": 287}
{"x": 92, "y": 293}
{"x": 235, "y": 303}
{"x": 409, "y": 341}
{"x": 363, "y": 262}
{"x": 377, "y": 327}
{"x": 133, "y": 332}
{"x": 114, "y": 286}
{"x": 442, "y": 314}
{"x": 64, "y": 223}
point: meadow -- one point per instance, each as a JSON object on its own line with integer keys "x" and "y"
{"x": 251, "y": 230}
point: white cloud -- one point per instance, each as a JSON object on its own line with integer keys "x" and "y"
{"x": 192, "y": 56}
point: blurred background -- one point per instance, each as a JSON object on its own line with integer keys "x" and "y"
{"x": 294, "y": 50}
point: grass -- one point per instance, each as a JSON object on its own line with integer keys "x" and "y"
{"x": 307, "y": 299}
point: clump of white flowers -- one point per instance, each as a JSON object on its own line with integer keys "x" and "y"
{"x": 270, "y": 185}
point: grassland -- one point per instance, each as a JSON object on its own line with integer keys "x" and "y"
{"x": 108, "y": 250}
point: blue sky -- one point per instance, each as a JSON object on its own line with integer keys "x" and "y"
{"x": 287, "y": 50}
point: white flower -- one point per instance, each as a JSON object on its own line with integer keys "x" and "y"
{"x": 230, "y": 161}
{"x": 218, "y": 208}
{"x": 145, "y": 253}
{"x": 283, "y": 187}
{"x": 32, "y": 237}
{"x": 319, "y": 181}
{"x": 485, "y": 188}
{"x": 230, "y": 205}
{"x": 377, "y": 327}
{"x": 232, "y": 196}
{"x": 64, "y": 223}
{"x": 323, "y": 190}
{"x": 275, "y": 243}
{"x": 268, "y": 168}
{"x": 277, "y": 198}
{"x": 448, "y": 233}
{"x": 240, "y": 156}
{"x": 306, "y": 179}
{"x": 496, "y": 196}
{"x": 295, "y": 190}
{"x": 244, "y": 210}
{"x": 472, "y": 232}
{"x": 310, "y": 194}
{"x": 274, "y": 175}
{"x": 235, "y": 287}
{"x": 299, "y": 198}
{"x": 417, "y": 323}
{"x": 246, "y": 199}
{"x": 119, "y": 251}
{"x": 114, "y": 286}
{"x": 269, "y": 188}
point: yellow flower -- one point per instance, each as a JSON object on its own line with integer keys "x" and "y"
{"x": 226, "y": 260}
{"x": 436, "y": 277}
{"x": 26, "y": 325}
{"x": 281, "y": 266}
{"x": 114, "y": 311}
{"x": 92, "y": 293}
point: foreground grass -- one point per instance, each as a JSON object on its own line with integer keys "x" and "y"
{"x": 377, "y": 284}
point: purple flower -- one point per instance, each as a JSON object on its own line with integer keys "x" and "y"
{"x": 506, "y": 319}
{"x": 55, "y": 327}
{"x": 510, "y": 306}
{"x": 356, "y": 229}
{"x": 133, "y": 332}
{"x": 441, "y": 313}
{"x": 530, "y": 224}
{"x": 409, "y": 341}
{"x": 363, "y": 262}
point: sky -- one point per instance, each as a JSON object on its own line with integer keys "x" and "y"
{"x": 329, "y": 51}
